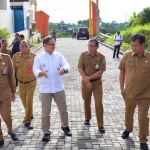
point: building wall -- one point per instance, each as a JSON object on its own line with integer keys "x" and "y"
{"x": 6, "y": 16}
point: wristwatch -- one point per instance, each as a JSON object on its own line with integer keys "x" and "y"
{"x": 65, "y": 70}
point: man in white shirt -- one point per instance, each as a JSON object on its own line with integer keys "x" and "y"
{"x": 49, "y": 66}
{"x": 118, "y": 41}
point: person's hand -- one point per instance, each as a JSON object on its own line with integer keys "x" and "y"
{"x": 13, "y": 96}
{"x": 45, "y": 74}
{"x": 61, "y": 71}
{"x": 86, "y": 79}
{"x": 89, "y": 85}
{"x": 123, "y": 93}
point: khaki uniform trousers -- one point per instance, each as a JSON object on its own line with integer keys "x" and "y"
{"x": 143, "y": 119}
{"x": 5, "y": 112}
{"x": 26, "y": 93}
{"x": 46, "y": 100}
{"x": 97, "y": 93}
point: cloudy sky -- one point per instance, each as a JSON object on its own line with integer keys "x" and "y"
{"x": 71, "y": 11}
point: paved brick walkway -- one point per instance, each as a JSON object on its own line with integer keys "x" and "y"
{"x": 84, "y": 137}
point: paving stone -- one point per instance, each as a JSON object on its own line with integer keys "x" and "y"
{"x": 84, "y": 137}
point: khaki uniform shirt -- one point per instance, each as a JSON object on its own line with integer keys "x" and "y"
{"x": 6, "y": 51}
{"x": 91, "y": 64}
{"x": 137, "y": 73}
{"x": 23, "y": 66}
{"x": 7, "y": 79}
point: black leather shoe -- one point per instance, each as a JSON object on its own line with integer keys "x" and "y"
{"x": 144, "y": 146}
{"x": 14, "y": 136}
{"x": 87, "y": 122}
{"x": 101, "y": 130}
{"x": 1, "y": 142}
{"x": 66, "y": 131}
{"x": 32, "y": 117}
{"x": 125, "y": 134}
{"x": 28, "y": 125}
{"x": 46, "y": 137}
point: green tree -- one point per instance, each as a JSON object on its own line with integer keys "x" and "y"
{"x": 134, "y": 20}
{"x": 144, "y": 16}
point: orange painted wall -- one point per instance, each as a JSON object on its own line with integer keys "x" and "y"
{"x": 41, "y": 24}
{"x": 93, "y": 18}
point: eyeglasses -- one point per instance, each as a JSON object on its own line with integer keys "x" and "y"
{"x": 51, "y": 44}
{"x": 91, "y": 45}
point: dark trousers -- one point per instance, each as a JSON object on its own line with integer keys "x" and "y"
{"x": 74, "y": 35}
{"x": 16, "y": 80}
{"x": 117, "y": 48}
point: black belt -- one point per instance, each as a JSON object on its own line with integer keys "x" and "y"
{"x": 95, "y": 80}
{"x": 26, "y": 82}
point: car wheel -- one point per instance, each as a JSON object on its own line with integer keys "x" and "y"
{"x": 87, "y": 37}
{"x": 77, "y": 38}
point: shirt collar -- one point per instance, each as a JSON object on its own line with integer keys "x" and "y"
{"x": 45, "y": 53}
{"x": 89, "y": 53}
{"x": 144, "y": 54}
{"x": 29, "y": 55}
{"x": 4, "y": 49}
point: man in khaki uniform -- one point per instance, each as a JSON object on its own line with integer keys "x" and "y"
{"x": 7, "y": 94}
{"x": 135, "y": 87}
{"x": 4, "y": 48}
{"x": 91, "y": 66}
{"x": 23, "y": 63}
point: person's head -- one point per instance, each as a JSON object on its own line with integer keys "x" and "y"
{"x": 17, "y": 36}
{"x": 93, "y": 45}
{"x": 138, "y": 43}
{"x": 4, "y": 44}
{"x": 118, "y": 32}
{"x": 21, "y": 37}
{"x": 24, "y": 47}
{"x": 49, "y": 44}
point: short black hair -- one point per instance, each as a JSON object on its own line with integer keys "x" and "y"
{"x": 138, "y": 36}
{"x": 4, "y": 41}
{"x": 94, "y": 40}
{"x": 47, "y": 39}
{"x": 24, "y": 41}
{"x": 22, "y": 36}
{"x": 17, "y": 33}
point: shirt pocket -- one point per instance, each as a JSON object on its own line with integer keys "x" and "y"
{"x": 130, "y": 67}
{"x": 145, "y": 69}
{"x": 97, "y": 64}
{"x": 146, "y": 65}
{"x": 18, "y": 64}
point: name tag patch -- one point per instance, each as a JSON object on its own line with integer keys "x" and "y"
{"x": 96, "y": 66}
{"x": 4, "y": 72}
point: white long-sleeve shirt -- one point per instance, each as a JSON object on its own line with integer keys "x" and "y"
{"x": 50, "y": 62}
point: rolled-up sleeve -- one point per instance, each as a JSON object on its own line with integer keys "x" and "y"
{"x": 36, "y": 66}
{"x": 65, "y": 64}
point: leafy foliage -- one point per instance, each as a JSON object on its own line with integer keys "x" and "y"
{"x": 145, "y": 30}
{"x": 111, "y": 28}
{"x": 4, "y": 34}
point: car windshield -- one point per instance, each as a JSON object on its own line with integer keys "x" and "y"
{"x": 83, "y": 29}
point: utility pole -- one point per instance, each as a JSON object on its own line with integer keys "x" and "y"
{"x": 97, "y": 3}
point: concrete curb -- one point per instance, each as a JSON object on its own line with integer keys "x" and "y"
{"x": 111, "y": 47}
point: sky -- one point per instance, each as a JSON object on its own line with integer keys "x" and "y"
{"x": 71, "y": 11}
